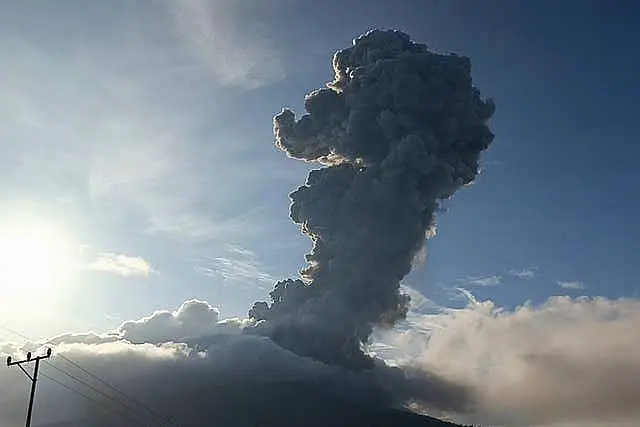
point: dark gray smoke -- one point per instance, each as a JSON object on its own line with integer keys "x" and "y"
{"x": 399, "y": 129}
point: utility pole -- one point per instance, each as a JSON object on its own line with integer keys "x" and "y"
{"x": 33, "y": 378}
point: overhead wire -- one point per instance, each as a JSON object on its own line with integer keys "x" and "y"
{"x": 135, "y": 401}
{"x": 152, "y": 412}
{"x": 94, "y": 389}
{"x": 90, "y": 399}
{"x": 13, "y": 331}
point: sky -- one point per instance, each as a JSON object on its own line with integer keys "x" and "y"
{"x": 138, "y": 171}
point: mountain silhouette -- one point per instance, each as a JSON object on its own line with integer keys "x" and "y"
{"x": 265, "y": 405}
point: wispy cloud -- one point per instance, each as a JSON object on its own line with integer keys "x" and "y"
{"x": 239, "y": 265}
{"x": 483, "y": 280}
{"x": 123, "y": 265}
{"x": 419, "y": 302}
{"x": 524, "y": 274}
{"x": 116, "y": 135}
{"x": 470, "y": 299}
{"x": 235, "y": 49}
{"x": 573, "y": 284}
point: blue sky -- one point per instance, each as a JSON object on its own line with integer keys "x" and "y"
{"x": 144, "y": 132}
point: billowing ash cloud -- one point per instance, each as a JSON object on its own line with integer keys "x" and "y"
{"x": 589, "y": 376}
{"x": 399, "y": 129}
{"x": 224, "y": 377}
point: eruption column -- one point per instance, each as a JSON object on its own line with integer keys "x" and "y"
{"x": 399, "y": 129}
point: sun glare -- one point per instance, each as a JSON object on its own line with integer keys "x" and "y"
{"x": 34, "y": 256}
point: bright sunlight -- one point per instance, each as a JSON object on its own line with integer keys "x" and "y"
{"x": 34, "y": 256}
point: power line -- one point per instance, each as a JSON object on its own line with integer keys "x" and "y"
{"x": 95, "y": 389}
{"x": 151, "y": 411}
{"x": 33, "y": 377}
{"x": 90, "y": 399}
{"x": 120, "y": 392}
{"x": 12, "y": 331}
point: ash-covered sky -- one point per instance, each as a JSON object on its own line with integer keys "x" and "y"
{"x": 140, "y": 135}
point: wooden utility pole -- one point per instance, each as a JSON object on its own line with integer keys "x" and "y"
{"x": 33, "y": 377}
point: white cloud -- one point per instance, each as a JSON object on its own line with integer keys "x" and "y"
{"x": 524, "y": 274}
{"x": 124, "y": 265}
{"x": 469, "y": 298}
{"x": 574, "y": 284}
{"x": 230, "y": 45}
{"x": 568, "y": 362}
{"x": 238, "y": 269}
{"x": 484, "y": 280}
{"x": 143, "y": 162}
{"x": 193, "y": 319}
{"x": 89, "y": 338}
{"x": 239, "y": 265}
{"x": 108, "y": 125}
{"x": 419, "y": 302}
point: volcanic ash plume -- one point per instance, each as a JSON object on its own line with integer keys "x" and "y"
{"x": 398, "y": 130}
